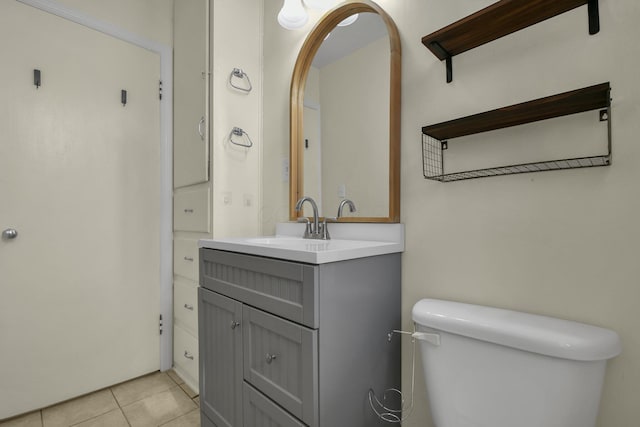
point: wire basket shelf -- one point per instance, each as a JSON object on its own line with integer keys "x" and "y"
{"x": 433, "y": 164}
{"x": 435, "y": 137}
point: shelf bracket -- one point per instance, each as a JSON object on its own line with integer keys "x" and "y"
{"x": 449, "y": 64}
{"x": 448, "y": 60}
{"x": 594, "y": 17}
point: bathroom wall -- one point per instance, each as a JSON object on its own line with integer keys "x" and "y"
{"x": 148, "y": 18}
{"x": 355, "y": 133}
{"x": 235, "y": 40}
{"x": 561, "y": 243}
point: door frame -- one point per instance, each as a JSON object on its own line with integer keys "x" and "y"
{"x": 166, "y": 150}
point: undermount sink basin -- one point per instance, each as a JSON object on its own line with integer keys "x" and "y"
{"x": 313, "y": 251}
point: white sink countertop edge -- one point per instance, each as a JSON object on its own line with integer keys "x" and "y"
{"x": 348, "y": 241}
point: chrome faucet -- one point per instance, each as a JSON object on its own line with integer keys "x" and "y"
{"x": 312, "y": 231}
{"x": 315, "y": 230}
{"x": 352, "y": 207}
{"x": 325, "y": 226}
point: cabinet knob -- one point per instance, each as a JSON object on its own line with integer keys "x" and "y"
{"x": 10, "y": 233}
{"x": 270, "y": 358}
{"x": 188, "y": 355}
{"x": 188, "y": 307}
{"x": 234, "y": 324}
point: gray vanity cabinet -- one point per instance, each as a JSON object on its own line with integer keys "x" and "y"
{"x": 221, "y": 381}
{"x": 281, "y": 359}
{"x": 290, "y": 344}
{"x": 260, "y": 411}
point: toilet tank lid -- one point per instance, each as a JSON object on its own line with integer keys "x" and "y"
{"x": 530, "y": 332}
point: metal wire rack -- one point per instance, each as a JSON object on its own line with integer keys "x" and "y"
{"x": 435, "y": 137}
{"x": 433, "y": 164}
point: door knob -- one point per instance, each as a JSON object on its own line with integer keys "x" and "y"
{"x": 10, "y": 233}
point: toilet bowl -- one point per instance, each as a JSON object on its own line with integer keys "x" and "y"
{"x": 489, "y": 367}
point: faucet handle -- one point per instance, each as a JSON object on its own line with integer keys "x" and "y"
{"x": 307, "y": 230}
{"x": 325, "y": 228}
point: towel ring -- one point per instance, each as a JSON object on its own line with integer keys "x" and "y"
{"x": 238, "y": 73}
{"x": 239, "y": 132}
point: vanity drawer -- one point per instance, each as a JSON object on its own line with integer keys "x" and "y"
{"x": 191, "y": 210}
{"x": 284, "y": 288}
{"x": 185, "y": 356}
{"x": 260, "y": 411}
{"x": 281, "y": 360}
{"x": 185, "y": 305}
{"x": 185, "y": 258}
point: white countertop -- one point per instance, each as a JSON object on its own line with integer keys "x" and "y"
{"x": 348, "y": 241}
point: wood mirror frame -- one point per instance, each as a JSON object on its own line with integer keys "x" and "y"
{"x": 298, "y": 82}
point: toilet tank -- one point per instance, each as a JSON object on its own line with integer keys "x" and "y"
{"x": 502, "y": 368}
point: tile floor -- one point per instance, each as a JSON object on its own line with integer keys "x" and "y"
{"x": 158, "y": 399}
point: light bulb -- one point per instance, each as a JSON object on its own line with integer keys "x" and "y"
{"x": 348, "y": 21}
{"x": 320, "y": 4}
{"x": 292, "y": 15}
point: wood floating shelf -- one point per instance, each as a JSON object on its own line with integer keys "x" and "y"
{"x": 435, "y": 137}
{"x": 498, "y": 20}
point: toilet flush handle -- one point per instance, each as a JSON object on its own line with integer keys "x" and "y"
{"x": 427, "y": 336}
{"x": 430, "y": 337}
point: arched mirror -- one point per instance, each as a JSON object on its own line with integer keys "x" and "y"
{"x": 345, "y": 115}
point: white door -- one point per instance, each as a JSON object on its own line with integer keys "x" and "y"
{"x": 80, "y": 182}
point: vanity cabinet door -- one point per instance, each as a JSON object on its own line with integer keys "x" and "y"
{"x": 220, "y": 340}
{"x": 281, "y": 360}
{"x": 260, "y": 411}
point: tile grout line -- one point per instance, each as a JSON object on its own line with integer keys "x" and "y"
{"x": 142, "y": 398}
{"x": 76, "y": 398}
{"x": 120, "y": 407}
{"x": 173, "y": 419}
{"x": 92, "y": 418}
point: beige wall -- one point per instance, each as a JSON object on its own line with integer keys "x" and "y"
{"x": 147, "y": 18}
{"x": 354, "y": 129}
{"x": 563, "y": 243}
{"x": 313, "y": 152}
{"x": 354, "y": 97}
{"x": 280, "y": 48}
{"x": 235, "y": 40}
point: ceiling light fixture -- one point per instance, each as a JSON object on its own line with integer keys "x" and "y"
{"x": 292, "y": 15}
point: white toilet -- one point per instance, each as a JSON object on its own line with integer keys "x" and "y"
{"x": 488, "y": 367}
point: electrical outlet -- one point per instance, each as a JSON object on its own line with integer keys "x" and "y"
{"x": 227, "y": 198}
{"x": 247, "y": 200}
{"x": 342, "y": 191}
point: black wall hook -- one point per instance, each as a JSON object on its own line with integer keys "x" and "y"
{"x": 36, "y": 78}
{"x": 123, "y": 97}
